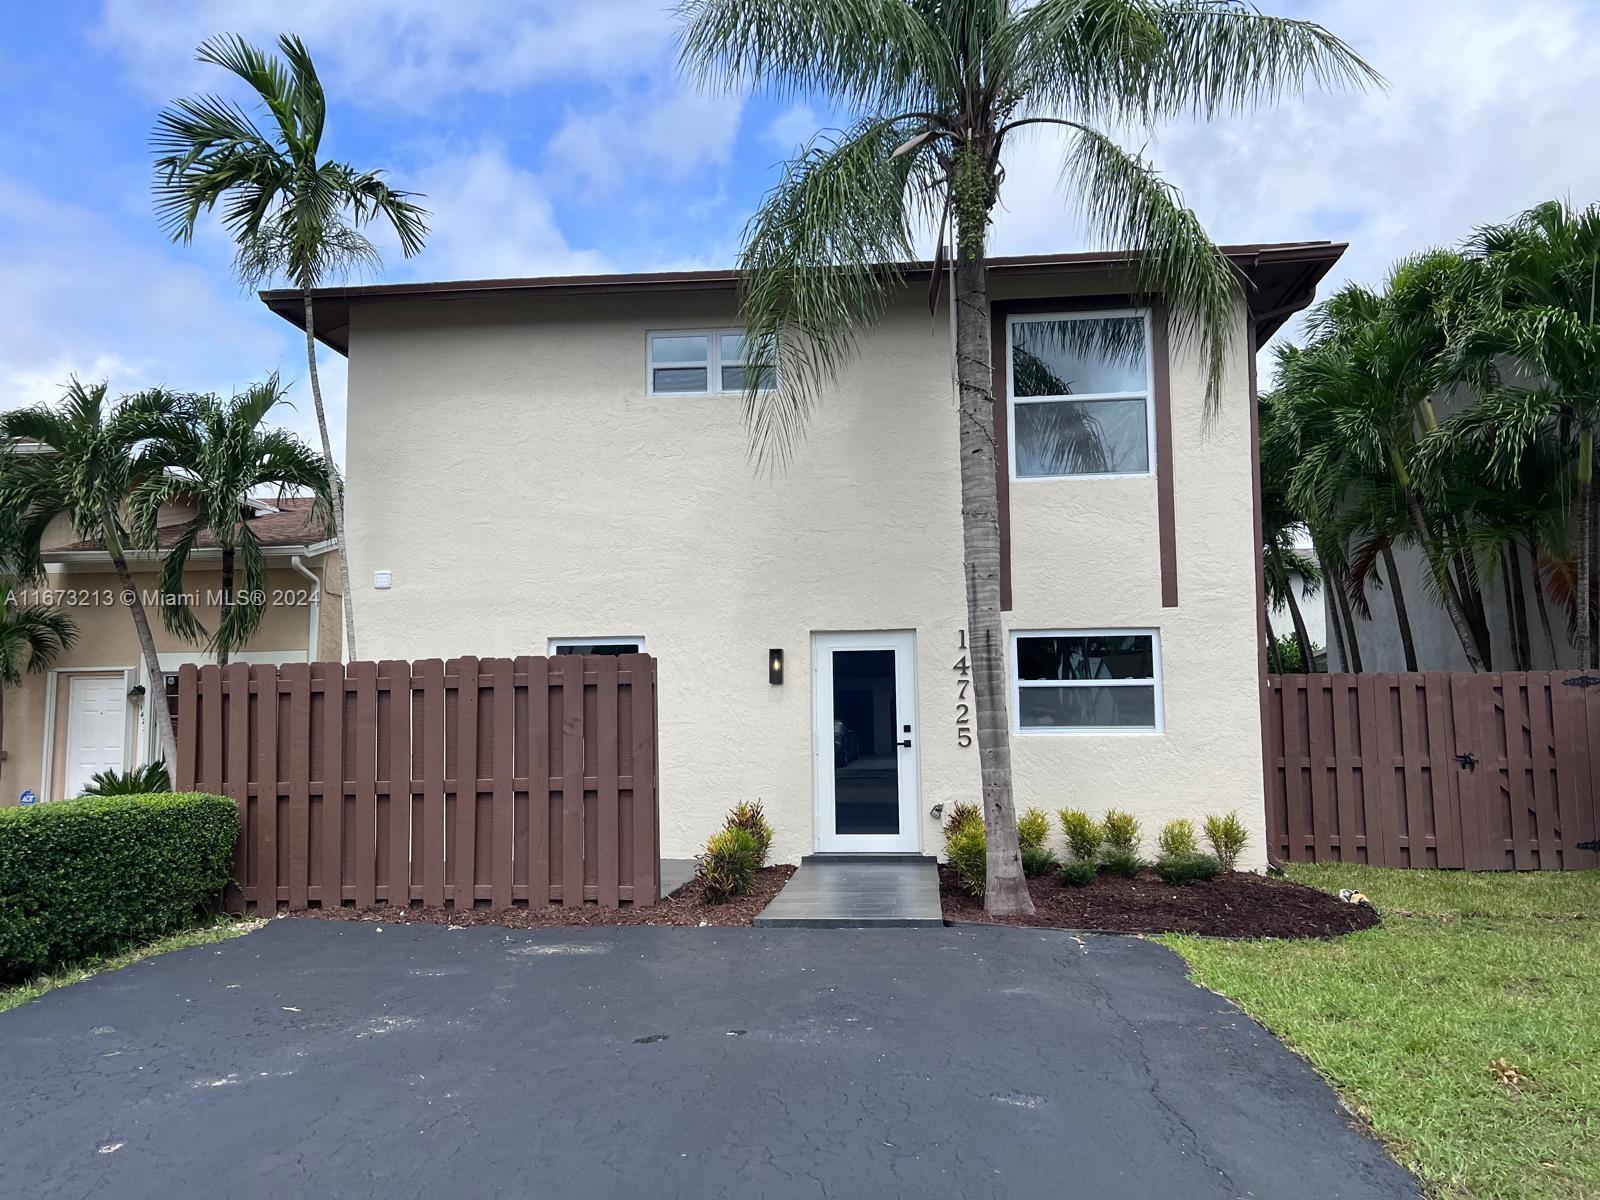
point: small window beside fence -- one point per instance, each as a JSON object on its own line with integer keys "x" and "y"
{"x": 498, "y": 781}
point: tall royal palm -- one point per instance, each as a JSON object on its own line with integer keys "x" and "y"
{"x": 216, "y": 455}
{"x": 91, "y": 465}
{"x": 1540, "y": 309}
{"x": 291, "y": 214}
{"x": 938, "y": 89}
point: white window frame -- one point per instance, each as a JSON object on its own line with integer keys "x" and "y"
{"x": 1148, "y": 395}
{"x": 1018, "y": 683}
{"x": 554, "y": 644}
{"x": 714, "y": 361}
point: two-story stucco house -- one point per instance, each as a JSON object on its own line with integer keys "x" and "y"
{"x": 583, "y": 450}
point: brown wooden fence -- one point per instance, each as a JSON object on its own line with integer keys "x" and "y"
{"x": 528, "y": 780}
{"x": 1482, "y": 771}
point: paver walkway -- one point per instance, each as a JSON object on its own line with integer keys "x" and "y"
{"x": 344, "y": 1059}
{"x": 865, "y": 892}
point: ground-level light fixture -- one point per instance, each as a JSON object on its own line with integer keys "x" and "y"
{"x": 775, "y": 666}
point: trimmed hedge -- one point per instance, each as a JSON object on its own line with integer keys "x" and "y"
{"x": 82, "y": 878}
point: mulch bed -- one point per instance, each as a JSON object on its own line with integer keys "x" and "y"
{"x": 1236, "y": 905}
{"x": 686, "y": 906}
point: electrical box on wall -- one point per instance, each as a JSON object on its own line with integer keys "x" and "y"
{"x": 382, "y": 579}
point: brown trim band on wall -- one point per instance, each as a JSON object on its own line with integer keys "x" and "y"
{"x": 1166, "y": 507}
{"x": 999, "y": 355}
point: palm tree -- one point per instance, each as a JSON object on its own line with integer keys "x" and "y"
{"x": 1540, "y": 310}
{"x": 940, "y": 89}
{"x": 215, "y": 456}
{"x": 32, "y": 637}
{"x": 92, "y": 466}
{"x": 290, "y": 214}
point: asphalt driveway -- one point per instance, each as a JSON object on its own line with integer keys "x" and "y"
{"x": 339, "y": 1059}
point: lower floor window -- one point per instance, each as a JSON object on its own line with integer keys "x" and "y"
{"x": 1086, "y": 679}
{"x": 597, "y": 645}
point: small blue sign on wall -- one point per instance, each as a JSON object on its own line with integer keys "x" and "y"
{"x": 28, "y": 797}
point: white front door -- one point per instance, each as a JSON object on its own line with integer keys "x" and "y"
{"x": 97, "y": 728}
{"x": 865, "y": 709}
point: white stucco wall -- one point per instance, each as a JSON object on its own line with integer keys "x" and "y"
{"x": 507, "y": 466}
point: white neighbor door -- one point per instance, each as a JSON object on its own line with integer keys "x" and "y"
{"x": 97, "y": 728}
{"x": 865, "y": 742}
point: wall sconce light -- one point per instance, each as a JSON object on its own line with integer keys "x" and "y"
{"x": 136, "y": 693}
{"x": 775, "y": 666}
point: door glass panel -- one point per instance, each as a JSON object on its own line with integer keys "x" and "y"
{"x": 866, "y": 760}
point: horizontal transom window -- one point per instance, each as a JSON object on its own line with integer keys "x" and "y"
{"x": 1073, "y": 681}
{"x": 597, "y": 645}
{"x": 1080, "y": 386}
{"x": 693, "y": 362}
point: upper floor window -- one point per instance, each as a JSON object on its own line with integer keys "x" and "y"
{"x": 703, "y": 362}
{"x": 1080, "y": 388}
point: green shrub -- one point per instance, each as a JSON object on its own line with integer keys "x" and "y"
{"x": 1125, "y": 863}
{"x": 1228, "y": 838}
{"x": 1122, "y": 832}
{"x": 1078, "y": 872}
{"x": 752, "y": 819}
{"x": 728, "y": 864}
{"x": 1178, "y": 839}
{"x": 1033, "y": 827}
{"x": 148, "y": 780}
{"x": 1084, "y": 834}
{"x": 83, "y": 878}
{"x": 967, "y": 849}
{"x": 1187, "y": 868}
{"x": 963, "y": 815}
{"x": 1036, "y": 860}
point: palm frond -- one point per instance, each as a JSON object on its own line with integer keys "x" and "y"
{"x": 818, "y": 268}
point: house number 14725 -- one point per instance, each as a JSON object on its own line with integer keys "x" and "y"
{"x": 963, "y": 670}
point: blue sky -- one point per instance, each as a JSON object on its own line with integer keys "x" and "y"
{"x": 554, "y": 136}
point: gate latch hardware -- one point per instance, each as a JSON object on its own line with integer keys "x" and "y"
{"x": 1582, "y": 681}
{"x": 1468, "y": 760}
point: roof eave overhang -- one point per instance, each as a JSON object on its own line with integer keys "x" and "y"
{"x": 1282, "y": 278}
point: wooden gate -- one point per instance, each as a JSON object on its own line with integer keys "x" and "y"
{"x": 1490, "y": 772}
{"x": 506, "y": 781}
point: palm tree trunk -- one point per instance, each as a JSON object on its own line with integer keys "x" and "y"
{"x": 2, "y": 736}
{"x": 1452, "y": 603}
{"x": 1402, "y": 617}
{"x": 1585, "y": 502}
{"x": 1518, "y": 662}
{"x": 335, "y": 488}
{"x": 223, "y": 646}
{"x": 1330, "y": 605}
{"x": 1521, "y": 635}
{"x": 1302, "y": 636}
{"x": 1544, "y": 611}
{"x": 1341, "y": 603}
{"x": 1006, "y": 890}
{"x": 156, "y": 696}
{"x": 1274, "y": 655}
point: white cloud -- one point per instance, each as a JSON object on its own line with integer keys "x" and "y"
{"x": 1483, "y": 118}
{"x": 491, "y": 218}
{"x": 408, "y": 54}
{"x": 645, "y": 137}
{"x": 792, "y": 128}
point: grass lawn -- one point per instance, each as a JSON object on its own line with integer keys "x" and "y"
{"x": 1410, "y": 1020}
{"x": 218, "y": 929}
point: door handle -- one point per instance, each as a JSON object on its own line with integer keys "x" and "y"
{"x": 906, "y": 743}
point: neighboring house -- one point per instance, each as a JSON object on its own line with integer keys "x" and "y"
{"x": 584, "y": 443}
{"x": 88, "y": 713}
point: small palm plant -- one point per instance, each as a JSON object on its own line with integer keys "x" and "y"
{"x": 292, "y": 214}
{"x": 215, "y": 456}
{"x": 939, "y": 94}
{"x": 92, "y": 465}
{"x": 32, "y": 638}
